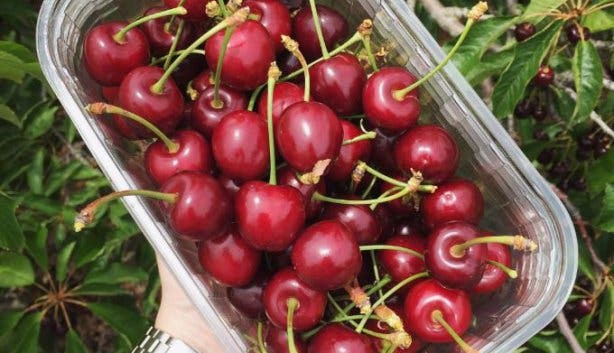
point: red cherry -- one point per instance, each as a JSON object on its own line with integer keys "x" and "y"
{"x": 334, "y": 29}
{"x": 229, "y": 259}
{"x": 269, "y": 216}
{"x": 293, "y": 4}
{"x": 249, "y": 53}
{"x": 360, "y": 220}
{"x": 386, "y": 218}
{"x": 284, "y": 285}
{"x": 338, "y": 83}
{"x": 241, "y": 146}
{"x": 196, "y": 8}
{"x": 382, "y": 155}
{"x": 429, "y": 296}
{"x": 110, "y": 93}
{"x": 231, "y": 186}
{"x": 202, "y": 210}
{"x": 402, "y": 206}
{"x": 248, "y": 299}
{"x": 274, "y": 16}
{"x": 287, "y": 176}
{"x": 336, "y": 338}
{"x": 326, "y": 256}
{"x": 308, "y": 132}
{"x": 186, "y": 117}
{"x": 277, "y": 341}
{"x": 428, "y": 149}
{"x": 203, "y": 81}
{"x": 382, "y": 109}
{"x": 544, "y": 76}
{"x": 161, "y": 35}
{"x": 455, "y": 200}
{"x": 288, "y": 63}
{"x": 205, "y": 117}
{"x": 109, "y": 61}
{"x": 284, "y": 95}
{"x": 409, "y": 226}
{"x": 381, "y": 327}
{"x": 462, "y": 270}
{"x": 188, "y": 69}
{"x": 194, "y": 154}
{"x": 349, "y": 154}
{"x": 401, "y": 265}
{"x": 493, "y": 277}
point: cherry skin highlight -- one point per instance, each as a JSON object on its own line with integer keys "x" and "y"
{"x": 274, "y": 16}
{"x": 455, "y": 200}
{"x": 205, "y": 116}
{"x": 336, "y": 338}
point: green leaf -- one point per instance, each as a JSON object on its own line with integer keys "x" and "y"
{"x": 563, "y": 103}
{"x": 74, "y": 343}
{"x": 588, "y": 77}
{"x": 550, "y": 344}
{"x": 605, "y": 220}
{"x": 115, "y": 274}
{"x": 528, "y": 57}
{"x": 24, "y": 338}
{"x": 100, "y": 289}
{"x": 491, "y": 64}
{"x": 58, "y": 178}
{"x": 15, "y": 270}
{"x": 7, "y": 114}
{"x": 598, "y": 21}
{"x": 11, "y": 67}
{"x": 41, "y": 123}
{"x": 126, "y": 322}
{"x": 37, "y": 247}
{"x": 35, "y": 173}
{"x": 61, "y": 266}
{"x": 585, "y": 264}
{"x": 8, "y": 320}
{"x": 17, "y": 50}
{"x": 88, "y": 249}
{"x": 606, "y": 311}
{"x": 537, "y": 7}
{"x": 581, "y": 330}
{"x": 600, "y": 174}
{"x": 11, "y": 236}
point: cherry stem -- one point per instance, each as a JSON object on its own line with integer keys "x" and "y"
{"x": 511, "y": 273}
{"x": 375, "y": 269}
{"x": 174, "y": 45}
{"x": 437, "y": 316}
{"x": 217, "y": 102}
{"x": 172, "y": 19}
{"x": 369, "y": 188}
{"x": 176, "y": 53}
{"x": 237, "y": 18}
{"x": 120, "y": 36}
{"x": 318, "y": 27}
{"x": 391, "y": 247}
{"x": 292, "y": 46}
{"x": 292, "y": 304}
{"x": 319, "y": 197}
{"x": 374, "y": 205}
{"x": 274, "y": 74}
{"x": 223, "y": 8}
{"x": 86, "y": 216}
{"x": 260, "y": 340}
{"x": 422, "y": 188}
{"x": 366, "y": 42}
{"x": 518, "y": 242}
{"x": 366, "y": 136}
{"x": 105, "y": 108}
{"x": 254, "y": 97}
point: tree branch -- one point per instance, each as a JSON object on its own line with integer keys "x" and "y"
{"x": 568, "y": 333}
{"x": 438, "y": 12}
{"x": 593, "y": 116}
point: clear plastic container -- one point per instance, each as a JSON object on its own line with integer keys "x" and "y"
{"x": 517, "y": 197}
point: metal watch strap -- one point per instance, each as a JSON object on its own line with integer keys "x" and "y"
{"x": 157, "y": 341}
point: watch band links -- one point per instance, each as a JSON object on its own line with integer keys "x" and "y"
{"x": 157, "y": 341}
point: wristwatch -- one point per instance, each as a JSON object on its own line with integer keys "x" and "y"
{"x": 157, "y": 341}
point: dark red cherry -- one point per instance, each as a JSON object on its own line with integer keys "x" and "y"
{"x": 326, "y": 256}
{"x": 334, "y": 29}
{"x": 359, "y": 219}
{"x": 229, "y": 259}
{"x": 248, "y": 56}
{"x": 203, "y": 81}
{"x": 308, "y": 132}
{"x": 293, "y": 4}
{"x": 288, "y": 63}
{"x": 493, "y": 277}
{"x": 109, "y": 61}
{"x": 188, "y": 69}
{"x": 205, "y": 117}
{"x": 110, "y": 93}
{"x": 186, "y": 117}
{"x": 161, "y": 33}
{"x": 284, "y": 95}
{"x": 349, "y": 154}
{"x": 381, "y": 327}
{"x": 428, "y": 296}
{"x": 336, "y": 338}
{"x": 277, "y": 341}
{"x": 164, "y": 110}
{"x": 382, "y": 155}
{"x": 241, "y": 146}
{"x": 401, "y": 265}
{"x": 462, "y": 270}
{"x": 248, "y": 299}
{"x": 288, "y": 176}
{"x": 455, "y": 200}
{"x": 286, "y": 284}
{"x": 196, "y": 8}
{"x": 194, "y": 154}
{"x": 338, "y": 83}
{"x": 386, "y": 219}
{"x": 428, "y": 149}
{"x": 524, "y": 109}
{"x": 544, "y": 76}
{"x": 409, "y": 226}
{"x": 524, "y": 31}
{"x": 403, "y": 206}
{"x": 269, "y": 216}
{"x": 573, "y": 31}
{"x": 231, "y": 186}
{"x": 382, "y": 109}
{"x": 202, "y": 210}
{"x": 274, "y": 16}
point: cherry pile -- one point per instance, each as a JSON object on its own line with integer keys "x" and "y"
{"x": 362, "y": 239}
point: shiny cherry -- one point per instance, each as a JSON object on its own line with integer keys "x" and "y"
{"x": 277, "y": 341}
{"x": 382, "y": 155}
{"x": 382, "y": 109}
{"x": 194, "y": 154}
{"x": 401, "y": 265}
{"x": 338, "y": 82}
{"x": 334, "y": 29}
{"x": 349, "y": 154}
{"x": 196, "y": 8}
{"x": 455, "y": 200}
{"x": 524, "y": 31}
{"x": 285, "y": 94}
{"x": 288, "y": 176}
{"x": 572, "y": 32}
{"x": 359, "y": 219}
{"x": 229, "y": 259}
{"x": 429, "y": 296}
{"x": 269, "y": 216}
{"x": 161, "y": 33}
{"x": 544, "y": 76}
{"x": 248, "y": 299}
{"x": 286, "y": 284}
{"x": 203, "y": 81}
{"x": 493, "y": 277}
{"x": 231, "y": 186}
{"x": 108, "y": 61}
{"x": 248, "y": 56}
{"x": 409, "y": 226}
{"x": 336, "y": 338}
{"x": 274, "y": 16}
{"x": 326, "y": 256}
{"x": 241, "y": 146}
{"x": 308, "y": 132}
{"x": 202, "y": 210}
{"x": 462, "y": 270}
{"x": 428, "y": 149}
{"x": 288, "y": 63}
{"x": 205, "y": 116}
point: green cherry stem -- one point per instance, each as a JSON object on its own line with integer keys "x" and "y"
{"x": 437, "y": 316}
{"x": 120, "y": 36}
{"x": 375, "y": 269}
{"x": 366, "y": 29}
{"x": 161, "y": 59}
{"x": 393, "y": 181}
{"x": 100, "y": 108}
{"x": 292, "y": 46}
{"x": 517, "y": 242}
{"x": 169, "y": 24}
{"x": 292, "y": 305}
{"x": 223, "y": 8}
{"x": 319, "y": 197}
{"x": 369, "y": 188}
{"x": 394, "y": 189}
{"x": 391, "y": 247}
{"x": 511, "y": 273}
{"x": 174, "y": 44}
{"x": 318, "y": 27}
{"x": 261, "y": 347}
{"x": 274, "y": 74}
{"x": 217, "y": 102}
{"x": 366, "y": 136}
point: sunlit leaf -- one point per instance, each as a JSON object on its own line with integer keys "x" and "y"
{"x": 588, "y": 78}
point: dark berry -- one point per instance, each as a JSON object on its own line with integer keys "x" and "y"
{"x": 583, "y": 307}
{"x": 578, "y": 183}
{"x": 524, "y": 109}
{"x": 559, "y": 169}
{"x": 602, "y": 138}
{"x": 524, "y": 31}
{"x": 544, "y": 76}
{"x": 600, "y": 150}
{"x": 605, "y": 347}
{"x": 587, "y": 142}
{"x": 546, "y": 156}
{"x": 573, "y": 33}
{"x": 540, "y": 112}
{"x": 563, "y": 184}
{"x": 540, "y": 135}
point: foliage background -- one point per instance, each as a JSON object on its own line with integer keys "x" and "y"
{"x": 97, "y": 292}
